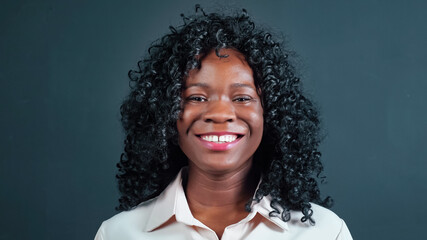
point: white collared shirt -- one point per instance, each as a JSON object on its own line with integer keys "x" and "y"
{"x": 168, "y": 216}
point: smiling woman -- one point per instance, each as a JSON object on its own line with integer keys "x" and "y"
{"x": 221, "y": 142}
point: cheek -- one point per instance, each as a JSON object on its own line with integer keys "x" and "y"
{"x": 257, "y": 128}
{"x": 186, "y": 119}
{"x": 256, "y": 119}
{"x": 182, "y": 127}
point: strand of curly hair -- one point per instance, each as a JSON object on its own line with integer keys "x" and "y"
{"x": 288, "y": 158}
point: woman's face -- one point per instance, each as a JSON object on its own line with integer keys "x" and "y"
{"x": 221, "y": 124}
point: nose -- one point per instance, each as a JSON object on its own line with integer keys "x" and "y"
{"x": 219, "y": 112}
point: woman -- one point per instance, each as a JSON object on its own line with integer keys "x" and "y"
{"x": 221, "y": 143}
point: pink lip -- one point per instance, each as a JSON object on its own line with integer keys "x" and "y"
{"x": 219, "y": 146}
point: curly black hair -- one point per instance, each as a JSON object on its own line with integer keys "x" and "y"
{"x": 288, "y": 159}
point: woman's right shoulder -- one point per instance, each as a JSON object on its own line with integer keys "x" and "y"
{"x": 126, "y": 223}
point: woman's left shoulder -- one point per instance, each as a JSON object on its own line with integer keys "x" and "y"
{"x": 325, "y": 224}
{"x": 323, "y": 214}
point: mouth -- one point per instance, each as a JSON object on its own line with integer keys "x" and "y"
{"x": 219, "y": 141}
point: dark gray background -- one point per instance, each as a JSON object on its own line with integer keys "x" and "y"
{"x": 63, "y": 72}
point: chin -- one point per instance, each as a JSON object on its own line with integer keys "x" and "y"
{"x": 221, "y": 165}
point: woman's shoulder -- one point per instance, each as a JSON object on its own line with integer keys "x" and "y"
{"x": 147, "y": 215}
{"x": 136, "y": 213}
{"x": 323, "y": 214}
{"x": 126, "y": 222}
{"x": 326, "y": 224}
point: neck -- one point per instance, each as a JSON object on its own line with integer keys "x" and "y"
{"x": 229, "y": 189}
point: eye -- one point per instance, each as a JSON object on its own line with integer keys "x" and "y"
{"x": 196, "y": 98}
{"x": 242, "y": 99}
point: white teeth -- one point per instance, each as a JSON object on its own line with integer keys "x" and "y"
{"x": 219, "y": 139}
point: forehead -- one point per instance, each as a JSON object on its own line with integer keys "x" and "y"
{"x": 214, "y": 69}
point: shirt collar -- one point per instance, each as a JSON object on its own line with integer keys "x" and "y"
{"x": 264, "y": 209}
{"x": 172, "y": 202}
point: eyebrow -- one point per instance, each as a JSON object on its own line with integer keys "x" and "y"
{"x": 203, "y": 85}
{"x": 239, "y": 85}
{"x": 234, "y": 85}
